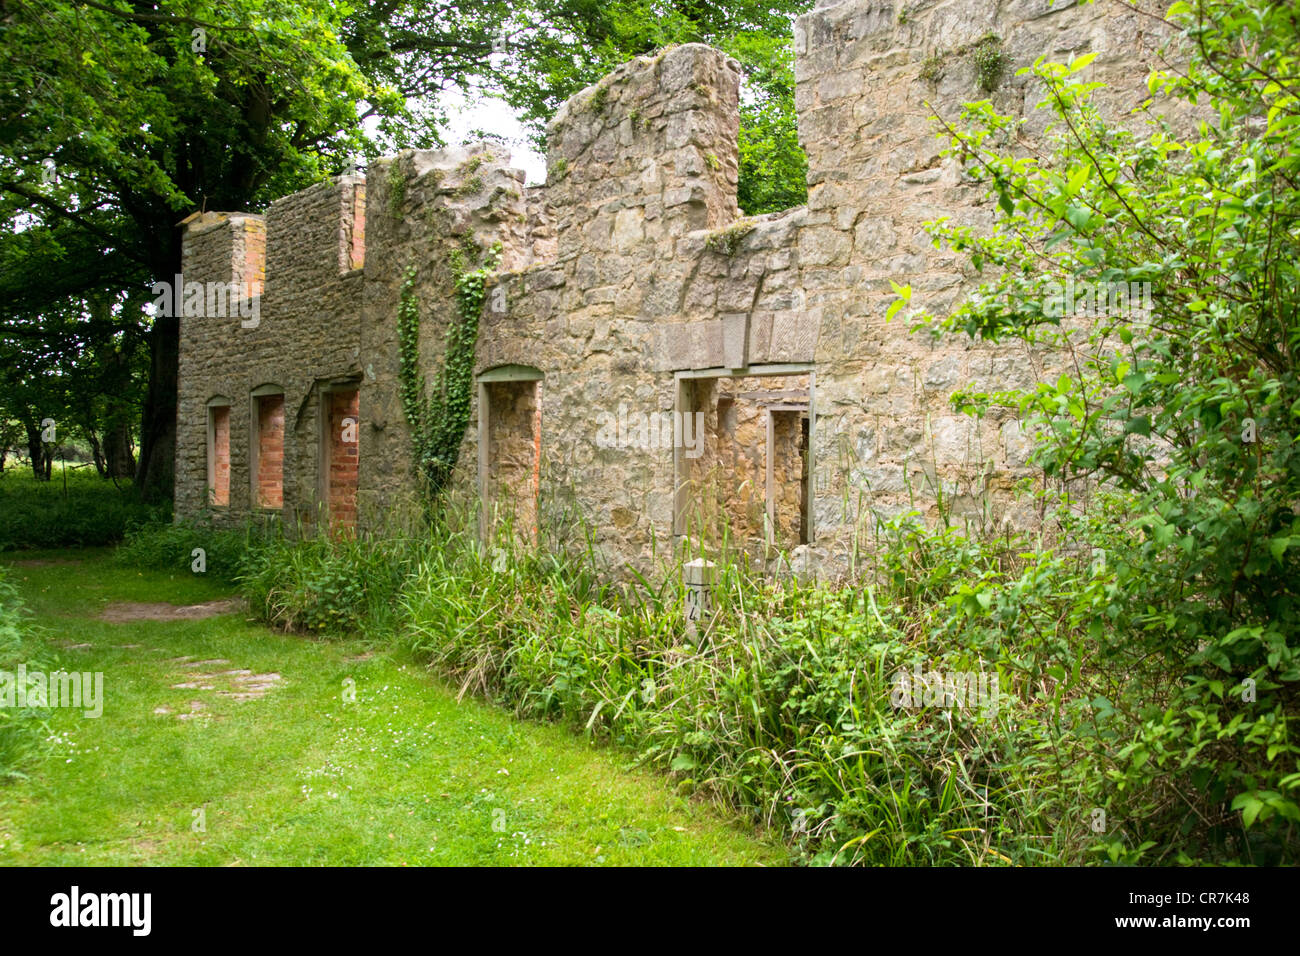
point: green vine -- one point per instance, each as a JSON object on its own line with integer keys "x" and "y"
{"x": 438, "y": 419}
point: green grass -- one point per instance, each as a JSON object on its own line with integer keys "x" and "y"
{"x": 403, "y": 775}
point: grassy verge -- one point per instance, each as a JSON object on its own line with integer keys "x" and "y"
{"x": 302, "y": 776}
{"x": 21, "y": 728}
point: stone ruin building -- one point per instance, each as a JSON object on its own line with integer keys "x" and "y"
{"x": 633, "y": 301}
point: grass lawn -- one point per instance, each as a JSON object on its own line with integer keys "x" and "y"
{"x": 213, "y": 774}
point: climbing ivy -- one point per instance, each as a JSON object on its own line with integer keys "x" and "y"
{"x": 438, "y": 419}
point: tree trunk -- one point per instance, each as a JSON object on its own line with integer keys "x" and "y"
{"x": 97, "y": 453}
{"x": 118, "y": 451}
{"x": 36, "y": 450}
{"x": 155, "y": 476}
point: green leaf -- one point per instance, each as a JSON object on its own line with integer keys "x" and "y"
{"x": 1250, "y": 805}
{"x": 1081, "y": 62}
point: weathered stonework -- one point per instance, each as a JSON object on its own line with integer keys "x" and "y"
{"x": 630, "y": 280}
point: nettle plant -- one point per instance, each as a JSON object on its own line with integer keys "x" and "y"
{"x": 1183, "y": 422}
{"x": 438, "y": 418}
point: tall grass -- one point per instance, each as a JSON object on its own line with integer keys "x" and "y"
{"x": 781, "y": 702}
{"x": 76, "y": 508}
{"x": 329, "y": 584}
{"x": 173, "y": 546}
{"x": 22, "y": 729}
{"x": 780, "y": 707}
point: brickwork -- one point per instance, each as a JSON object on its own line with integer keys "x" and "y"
{"x": 219, "y": 466}
{"x": 270, "y": 451}
{"x": 343, "y": 442}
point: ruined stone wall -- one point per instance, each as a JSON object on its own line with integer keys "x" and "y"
{"x": 427, "y": 211}
{"x": 306, "y": 333}
{"x": 632, "y": 286}
{"x": 636, "y": 163}
{"x": 868, "y": 81}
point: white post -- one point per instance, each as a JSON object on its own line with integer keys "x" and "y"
{"x": 697, "y": 576}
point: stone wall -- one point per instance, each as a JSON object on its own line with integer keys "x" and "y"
{"x": 868, "y": 81}
{"x": 306, "y": 335}
{"x": 631, "y": 287}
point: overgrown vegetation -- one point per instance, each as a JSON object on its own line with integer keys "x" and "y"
{"x": 1183, "y": 637}
{"x": 168, "y": 546}
{"x": 438, "y": 419}
{"x": 782, "y": 709}
{"x": 398, "y": 172}
{"x": 990, "y": 62}
{"x": 73, "y": 508}
{"x": 22, "y": 729}
{"x": 726, "y": 242}
{"x": 932, "y": 68}
{"x": 326, "y": 585}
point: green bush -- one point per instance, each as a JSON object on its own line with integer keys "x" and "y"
{"x": 326, "y": 585}
{"x": 1182, "y": 420}
{"x": 89, "y": 511}
{"x": 170, "y": 546}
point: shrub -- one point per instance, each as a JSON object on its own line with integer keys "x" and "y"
{"x": 87, "y": 511}
{"x": 1181, "y": 415}
{"x": 326, "y": 585}
{"x": 170, "y": 546}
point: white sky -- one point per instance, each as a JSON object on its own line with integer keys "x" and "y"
{"x": 493, "y": 116}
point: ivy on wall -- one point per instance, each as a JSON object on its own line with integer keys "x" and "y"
{"x": 438, "y": 419}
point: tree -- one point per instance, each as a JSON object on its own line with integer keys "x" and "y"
{"x": 582, "y": 40}
{"x": 1184, "y": 418}
{"x": 121, "y": 117}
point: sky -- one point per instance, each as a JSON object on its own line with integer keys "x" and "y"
{"x": 494, "y": 116}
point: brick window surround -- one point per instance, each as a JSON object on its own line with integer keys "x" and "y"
{"x": 219, "y": 453}
{"x": 340, "y": 454}
{"x": 267, "y": 447}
